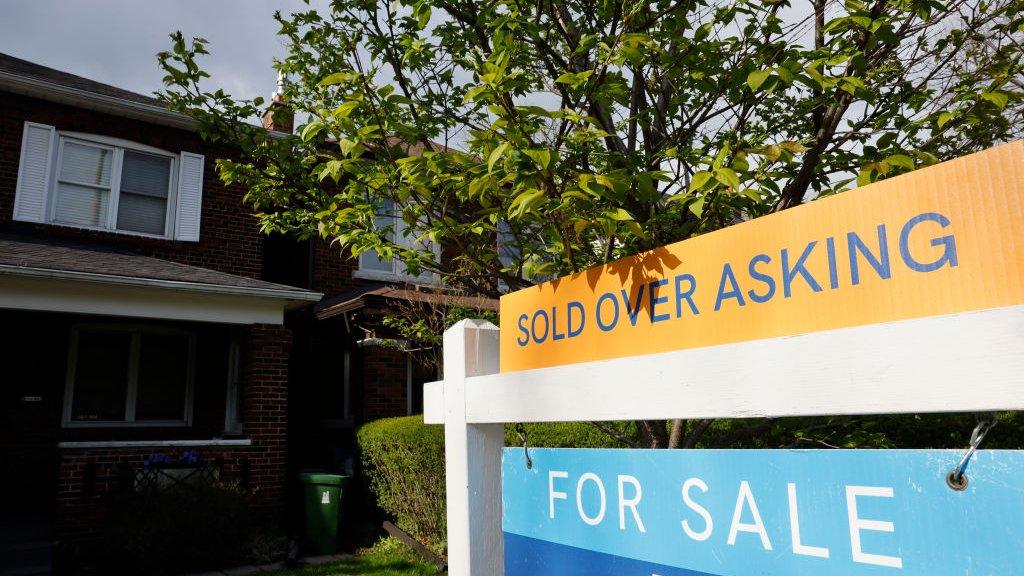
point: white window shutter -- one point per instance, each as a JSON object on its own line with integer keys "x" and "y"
{"x": 190, "y": 197}
{"x": 34, "y": 172}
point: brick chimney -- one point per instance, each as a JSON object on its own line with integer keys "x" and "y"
{"x": 279, "y": 116}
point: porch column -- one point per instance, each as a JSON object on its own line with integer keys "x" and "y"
{"x": 265, "y": 413}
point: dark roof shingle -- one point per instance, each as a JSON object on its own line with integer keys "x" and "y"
{"x": 24, "y": 68}
{"x": 49, "y": 254}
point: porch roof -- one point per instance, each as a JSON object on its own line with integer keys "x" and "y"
{"x": 382, "y": 295}
{"x": 48, "y": 274}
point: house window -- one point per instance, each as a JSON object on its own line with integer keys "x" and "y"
{"x": 103, "y": 183}
{"x": 111, "y": 187}
{"x": 124, "y": 376}
{"x": 373, "y": 267}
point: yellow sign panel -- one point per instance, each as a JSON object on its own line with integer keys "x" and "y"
{"x": 940, "y": 240}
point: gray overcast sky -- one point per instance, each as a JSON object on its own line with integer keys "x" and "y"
{"x": 116, "y": 41}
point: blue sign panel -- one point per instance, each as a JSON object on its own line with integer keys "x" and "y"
{"x": 746, "y": 512}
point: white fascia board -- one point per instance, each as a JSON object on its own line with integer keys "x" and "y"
{"x": 967, "y": 362}
{"x": 284, "y": 294}
{"x": 138, "y": 301}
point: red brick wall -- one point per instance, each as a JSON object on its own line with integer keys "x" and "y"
{"x": 265, "y": 411}
{"x": 229, "y": 235}
{"x": 384, "y": 383}
{"x": 332, "y": 268}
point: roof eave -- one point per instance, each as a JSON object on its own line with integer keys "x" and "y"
{"x": 297, "y": 296}
{"x": 61, "y": 94}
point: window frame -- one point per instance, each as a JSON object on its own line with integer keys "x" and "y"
{"x": 118, "y": 147}
{"x": 398, "y": 229}
{"x": 233, "y": 408}
{"x": 131, "y": 392}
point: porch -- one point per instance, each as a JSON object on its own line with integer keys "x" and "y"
{"x": 111, "y": 382}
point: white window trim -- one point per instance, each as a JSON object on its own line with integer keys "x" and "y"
{"x": 117, "y": 146}
{"x": 129, "y": 421}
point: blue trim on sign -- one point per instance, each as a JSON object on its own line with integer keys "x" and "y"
{"x": 526, "y": 556}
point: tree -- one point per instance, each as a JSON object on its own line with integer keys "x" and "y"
{"x": 537, "y": 139}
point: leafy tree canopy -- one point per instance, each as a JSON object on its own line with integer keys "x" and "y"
{"x": 535, "y": 139}
{"x": 540, "y": 138}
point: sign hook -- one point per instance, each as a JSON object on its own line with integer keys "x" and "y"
{"x": 521, "y": 432}
{"x": 956, "y": 479}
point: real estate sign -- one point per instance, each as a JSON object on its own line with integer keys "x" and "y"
{"x": 743, "y": 512}
{"x": 940, "y": 240}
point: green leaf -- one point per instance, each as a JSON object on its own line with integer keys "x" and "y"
{"x": 865, "y": 177}
{"x": 422, "y": 13}
{"x": 311, "y": 130}
{"x": 926, "y": 158}
{"x": 346, "y": 108}
{"x": 338, "y": 78}
{"x": 794, "y": 147}
{"x": 645, "y": 187}
{"x": 525, "y": 201}
{"x": 496, "y": 155}
{"x": 1000, "y": 99}
{"x": 541, "y": 157}
{"x": 785, "y": 74}
{"x": 621, "y": 215}
{"x": 699, "y": 180}
{"x": 474, "y": 93}
{"x": 756, "y": 78}
{"x": 697, "y": 207}
{"x": 346, "y": 146}
{"x": 901, "y": 160}
{"x": 576, "y": 79}
{"x": 944, "y": 119}
{"x": 728, "y": 177}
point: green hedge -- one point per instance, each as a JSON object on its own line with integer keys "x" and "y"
{"x": 404, "y": 463}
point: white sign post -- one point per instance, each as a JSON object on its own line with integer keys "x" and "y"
{"x": 472, "y": 451}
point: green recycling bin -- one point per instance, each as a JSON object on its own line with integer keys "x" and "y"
{"x": 321, "y": 495}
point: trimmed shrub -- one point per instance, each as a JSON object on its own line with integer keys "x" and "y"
{"x": 404, "y": 463}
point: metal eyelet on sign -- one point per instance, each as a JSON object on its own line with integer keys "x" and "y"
{"x": 958, "y": 484}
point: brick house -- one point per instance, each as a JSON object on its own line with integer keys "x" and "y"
{"x": 145, "y": 316}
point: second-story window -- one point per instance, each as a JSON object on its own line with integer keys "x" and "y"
{"x": 113, "y": 187}
{"x": 102, "y": 183}
{"x": 373, "y": 267}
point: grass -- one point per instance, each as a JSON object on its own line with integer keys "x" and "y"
{"x": 389, "y": 557}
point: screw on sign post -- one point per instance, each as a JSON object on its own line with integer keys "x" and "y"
{"x": 899, "y": 297}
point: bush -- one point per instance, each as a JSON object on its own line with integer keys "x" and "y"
{"x": 404, "y": 462}
{"x": 178, "y": 530}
